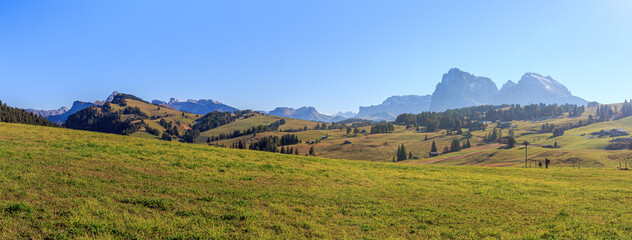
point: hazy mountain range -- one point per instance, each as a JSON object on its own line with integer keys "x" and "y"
{"x": 202, "y": 106}
{"x": 457, "y": 89}
{"x": 305, "y": 113}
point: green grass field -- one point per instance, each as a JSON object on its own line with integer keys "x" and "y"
{"x": 59, "y": 183}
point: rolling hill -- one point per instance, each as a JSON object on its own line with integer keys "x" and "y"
{"x": 62, "y": 183}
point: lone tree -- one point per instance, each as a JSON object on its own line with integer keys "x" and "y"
{"x": 311, "y": 151}
{"x": 526, "y": 144}
{"x": 511, "y": 142}
{"x": 434, "y": 147}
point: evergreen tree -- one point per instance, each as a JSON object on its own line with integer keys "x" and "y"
{"x": 467, "y": 144}
{"x": 434, "y": 147}
{"x": 511, "y": 142}
{"x": 410, "y": 155}
{"x": 311, "y": 151}
{"x": 455, "y": 146}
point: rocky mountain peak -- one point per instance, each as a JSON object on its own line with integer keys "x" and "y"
{"x": 459, "y": 89}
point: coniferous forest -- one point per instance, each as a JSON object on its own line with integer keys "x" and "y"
{"x": 17, "y": 115}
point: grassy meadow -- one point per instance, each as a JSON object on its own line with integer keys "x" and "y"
{"x": 62, "y": 184}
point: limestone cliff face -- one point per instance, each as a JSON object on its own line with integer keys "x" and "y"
{"x": 459, "y": 89}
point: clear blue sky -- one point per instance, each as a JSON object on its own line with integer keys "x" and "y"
{"x": 333, "y": 55}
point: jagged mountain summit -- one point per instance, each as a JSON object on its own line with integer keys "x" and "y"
{"x": 459, "y": 89}
{"x": 394, "y": 106}
{"x": 76, "y": 107}
{"x": 535, "y": 88}
{"x": 304, "y": 113}
{"x": 202, "y": 106}
{"x": 48, "y": 113}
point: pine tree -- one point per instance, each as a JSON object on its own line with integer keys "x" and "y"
{"x": 455, "y": 146}
{"x": 511, "y": 142}
{"x": 410, "y": 155}
{"x": 311, "y": 151}
{"x": 434, "y": 147}
{"x": 467, "y": 144}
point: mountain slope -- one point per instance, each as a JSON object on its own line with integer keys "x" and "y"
{"x": 459, "y": 89}
{"x": 76, "y": 106}
{"x": 123, "y": 187}
{"x": 396, "y": 105}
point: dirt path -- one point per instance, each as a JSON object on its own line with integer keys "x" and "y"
{"x": 473, "y": 150}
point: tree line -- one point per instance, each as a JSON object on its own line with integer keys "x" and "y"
{"x": 18, "y": 115}
{"x": 253, "y": 130}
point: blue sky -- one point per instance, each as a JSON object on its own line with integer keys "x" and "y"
{"x": 333, "y": 55}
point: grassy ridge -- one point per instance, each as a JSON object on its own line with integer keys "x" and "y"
{"x": 61, "y": 183}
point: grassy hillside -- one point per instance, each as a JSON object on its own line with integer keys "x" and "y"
{"x": 61, "y": 183}
{"x": 245, "y": 124}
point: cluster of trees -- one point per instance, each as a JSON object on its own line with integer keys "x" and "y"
{"x": 556, "y": 130}
{"x": 17, "y": 115}
{"x": 495, "y": 136}
{"x": 289, "y": 139}
{"x": 355, "y": 122}
{"x": 289, "y": 150}
{"x": 382, "y": 127}
{"x": 533, "y": 111}
{"x": 304, "y": 128}
{"x": 626, "y": 110}
{"x": 272, "y": 143}
{"x": 472, "y": 117}
{"x": 253, "y": 130}
{"x": 214, "y": 119}
{"x": 355, "y": 131}
{"x": 170, "y": 128}
{"x": 401, "y": 154}
{"x": 604, "y": 113}
{"x": 133, "y": 110}
{"x": 152, "y": 131}
{"x": 100, "y": 120}
{"x": 191, "y": 135}
{"x": 455, "y": 119}
{"x": 320, "y": 126}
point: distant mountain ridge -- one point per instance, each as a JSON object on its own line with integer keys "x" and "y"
{"x": 305, "y": 113}
{"x": 201, "y": 106}
{"x": 48, "y": 113}
{"x": 459, "y": 89}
